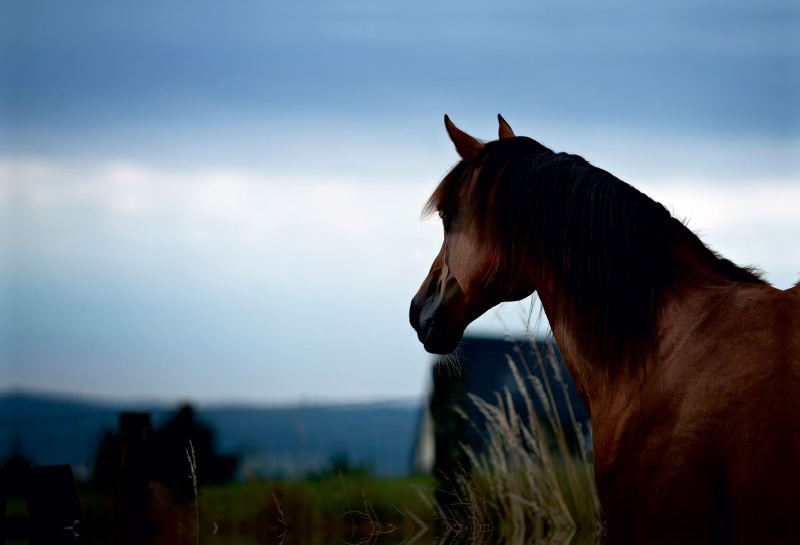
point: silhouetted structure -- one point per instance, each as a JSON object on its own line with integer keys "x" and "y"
{"x": 161, "y": 454}
{"x": 450, "y": 429}
{"x": 14, "y": 474}
{"x": 53, "y": 506}
{"x": 13, "y": 484}
{"x": 127, "y": 461}
{"x": 133, "y": 522}
{"x": 289, "y": 441}
{"x": 482, "y": 370}
{"x": 169, "y": 446}
{"x": 53, "y": 510}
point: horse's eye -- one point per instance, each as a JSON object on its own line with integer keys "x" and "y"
{"x": 445, "y": 219}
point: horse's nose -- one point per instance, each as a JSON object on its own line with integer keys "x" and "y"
{"x": 413, "y": 315}
{"x": 421, "y": 321}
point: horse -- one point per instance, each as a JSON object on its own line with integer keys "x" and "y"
{"x": 688, "y": 364}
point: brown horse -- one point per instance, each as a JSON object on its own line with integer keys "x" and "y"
{"x": 688, "y": 364}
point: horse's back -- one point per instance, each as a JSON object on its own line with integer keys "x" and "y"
{"x": 711, "y": 448}
{"x": 765, "y": 471}
{"x": 754, "y": 379}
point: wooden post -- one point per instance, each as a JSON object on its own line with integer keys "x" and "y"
{"x": 134, "y": 526}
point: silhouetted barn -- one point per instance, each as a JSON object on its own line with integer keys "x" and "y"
{"x": 482, "y": 369}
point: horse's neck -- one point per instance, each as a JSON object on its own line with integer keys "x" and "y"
{"x": 590, "y": 375}
{"x": 680, "y": 312}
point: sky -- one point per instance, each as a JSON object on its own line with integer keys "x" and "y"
{"x": 220, "y": 201}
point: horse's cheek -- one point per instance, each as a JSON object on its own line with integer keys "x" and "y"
{"x": 460, "y": 261}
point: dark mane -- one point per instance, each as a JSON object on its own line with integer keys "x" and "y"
{"x": 608, "y": 244}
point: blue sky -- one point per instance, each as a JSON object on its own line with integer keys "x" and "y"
{"x": 220, "y": 201}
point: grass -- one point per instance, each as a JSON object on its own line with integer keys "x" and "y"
{"x": 525, "y": 486}
{"x": 357, "y": 509}
{"x": 532, "y": 488}
{"x": 319, "y": 511}
{"x": 306, "y": 512}
{"x": 361, "y": 510}
{"x": 190, "y": 457}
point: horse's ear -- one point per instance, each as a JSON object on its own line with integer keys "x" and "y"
{"x": 505, "y": 129}
{"x": 466, "y": 146}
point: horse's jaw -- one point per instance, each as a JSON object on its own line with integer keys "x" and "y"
{"x": 443, "y": 346}
{"x": 434, "y": 330}
{"x": 441, "y": 311}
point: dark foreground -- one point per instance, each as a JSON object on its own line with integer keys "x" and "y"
{"x": 351, "y": 508}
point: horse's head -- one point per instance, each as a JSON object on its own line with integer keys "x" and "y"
{"x": 460, "y": 285}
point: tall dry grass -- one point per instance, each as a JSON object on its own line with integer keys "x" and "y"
{"x": 523, "y": 488}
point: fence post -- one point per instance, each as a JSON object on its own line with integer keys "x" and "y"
{"x": 133, "y": 521}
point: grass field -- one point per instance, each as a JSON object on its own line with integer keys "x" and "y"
{"x": 352, "y": 508}
{"x": 525, "y": 486}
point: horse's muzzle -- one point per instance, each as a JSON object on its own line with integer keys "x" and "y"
{"x": 415, "y": 318}
{"x": 434, "y": 337}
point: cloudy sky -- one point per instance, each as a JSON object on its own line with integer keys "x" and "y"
{"x": 220, "y": 200}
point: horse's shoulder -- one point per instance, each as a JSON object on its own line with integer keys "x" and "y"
{"x": 728, "y": 351}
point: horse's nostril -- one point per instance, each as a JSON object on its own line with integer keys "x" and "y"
{"x": 413, "y": 315}
{"x": 424, "y": 330}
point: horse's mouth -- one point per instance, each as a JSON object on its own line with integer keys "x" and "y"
{"x": 435, "y": 337}
{"x": 442, "y": 345}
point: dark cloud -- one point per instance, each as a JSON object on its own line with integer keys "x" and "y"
{"x": 681, "y": 66}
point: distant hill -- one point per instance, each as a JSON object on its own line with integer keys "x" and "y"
{"x": 277, "y": 440}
